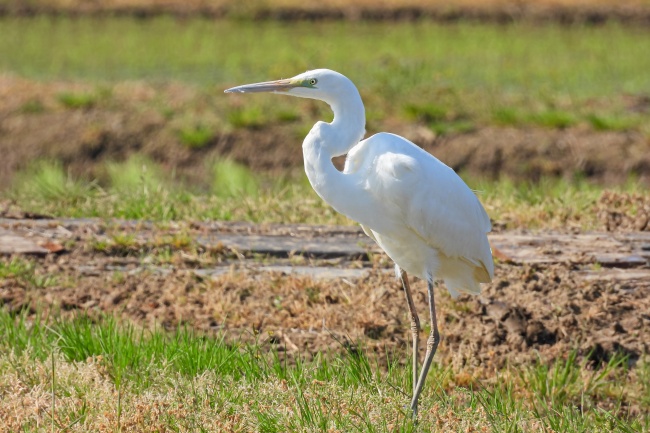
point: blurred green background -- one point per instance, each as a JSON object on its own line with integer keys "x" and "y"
{"x": 522, "y": 102}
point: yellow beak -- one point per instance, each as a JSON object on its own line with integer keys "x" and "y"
{"x": 267, "y": 86}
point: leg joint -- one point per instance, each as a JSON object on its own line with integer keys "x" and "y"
{"x": 415, "y": 323}
{"x": 433, "y": 341}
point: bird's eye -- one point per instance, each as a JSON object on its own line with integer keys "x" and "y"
{"x": 313, "y": 81}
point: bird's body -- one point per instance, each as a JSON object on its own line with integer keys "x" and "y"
{"x": 433, "y": 226}
{"x": 417, "y": 209}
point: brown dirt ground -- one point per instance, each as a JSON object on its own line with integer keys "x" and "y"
{"x": 561, "y": 11}
{"x": 131, "y": 122}
{"x": 527, "y": 312}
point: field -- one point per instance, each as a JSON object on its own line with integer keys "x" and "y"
{"x": 165, "y": 266}
{"x": 500, "y": 11}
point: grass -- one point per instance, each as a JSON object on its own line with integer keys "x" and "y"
{"x": 24, "y": 272}
{"x": 137, "y": 189}
{"x": 247, "y": 117}
{"x": 233, "y": 180}
{"x": 77, "y": 100}
{"x": 549, "y": 203}
{"x": 554, "y": 119}
{"x": 196, "y": 137}
{"x": 252, "y": 9}
{"x": 33, "y": 106}
{"x": 47, "y": 180}
{"x": 135, "y": 174}
{"x": 100, "y": 374}
{"x": 548, "y": 75}
{"x": 438, "y": 118}
{"x": 612, "y": 123}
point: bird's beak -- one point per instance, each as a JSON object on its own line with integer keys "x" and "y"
{"x": 267, "y": 86}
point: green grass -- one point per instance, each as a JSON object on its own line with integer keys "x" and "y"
{"x": 33, "y": 106}
{"x": 196, "y": 137}
{"x": 137, "y": 189}
{"x": 613, "y": 122}
{"x": 439, "y": 119}
{"x": 24, "y": 272}
{"x": 100, "y": 374}
{"x": 549, "y": 73}
{"x": 233, "y": 180}
{"x": 247, "y": 117}
{"x": 554, "y": 119}
{"x": 47, "y": 180}
{"x": 134, "y": 175}
{"x": 548, "y": 203}
{"x": 77, "y": 100}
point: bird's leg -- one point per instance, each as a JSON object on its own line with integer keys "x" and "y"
{"x": 432, "y": 345}
{"x": 415, "y": 328}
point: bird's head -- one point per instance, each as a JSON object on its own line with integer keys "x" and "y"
{"x": 322, "y": 84}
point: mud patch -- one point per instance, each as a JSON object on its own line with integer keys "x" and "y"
{"x": 614, "y": 212}
{"x": 526, "y": 314}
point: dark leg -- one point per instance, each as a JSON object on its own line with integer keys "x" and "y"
{"x": 415, "y": 331}
{"x": 432, "y": 345}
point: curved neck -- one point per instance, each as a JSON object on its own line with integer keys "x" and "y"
{"x": 349, "y": 124}
{"x": 327, "y": 140}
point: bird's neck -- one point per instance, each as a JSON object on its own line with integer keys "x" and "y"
{"x": 348, "y": 126}
{"x": 327, "y": 140}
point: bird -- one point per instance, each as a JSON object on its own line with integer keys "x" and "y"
{"x": 416, "y": 208}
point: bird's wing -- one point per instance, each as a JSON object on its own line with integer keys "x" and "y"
{"x": 368, "y": 232}
{"x": 430, "y": 199}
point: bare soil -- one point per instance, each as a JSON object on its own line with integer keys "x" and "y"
{"x": 502, "y": 11}
{"x": 164, "y": 276}
{"x": 35, "y": 124}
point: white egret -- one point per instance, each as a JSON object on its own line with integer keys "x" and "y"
{"x": 416, "y": 208}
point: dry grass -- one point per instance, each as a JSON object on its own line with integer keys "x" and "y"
{"x": 85, "y": 400}
{"x": 57, "y": 394}
{"x": 559, "y": 11}
{"x": 219, "y": 5}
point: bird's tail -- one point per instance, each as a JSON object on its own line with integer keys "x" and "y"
{"x": 464, "y": 276}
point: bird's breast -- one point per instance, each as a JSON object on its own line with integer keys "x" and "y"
{"x": 409, "y": 252}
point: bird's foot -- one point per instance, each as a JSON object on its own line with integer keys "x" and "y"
{"x": 414, "y": 412}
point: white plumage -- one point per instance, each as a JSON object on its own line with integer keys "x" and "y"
{"x": 417, "y": 209}
{"x": 438, "y": 226}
